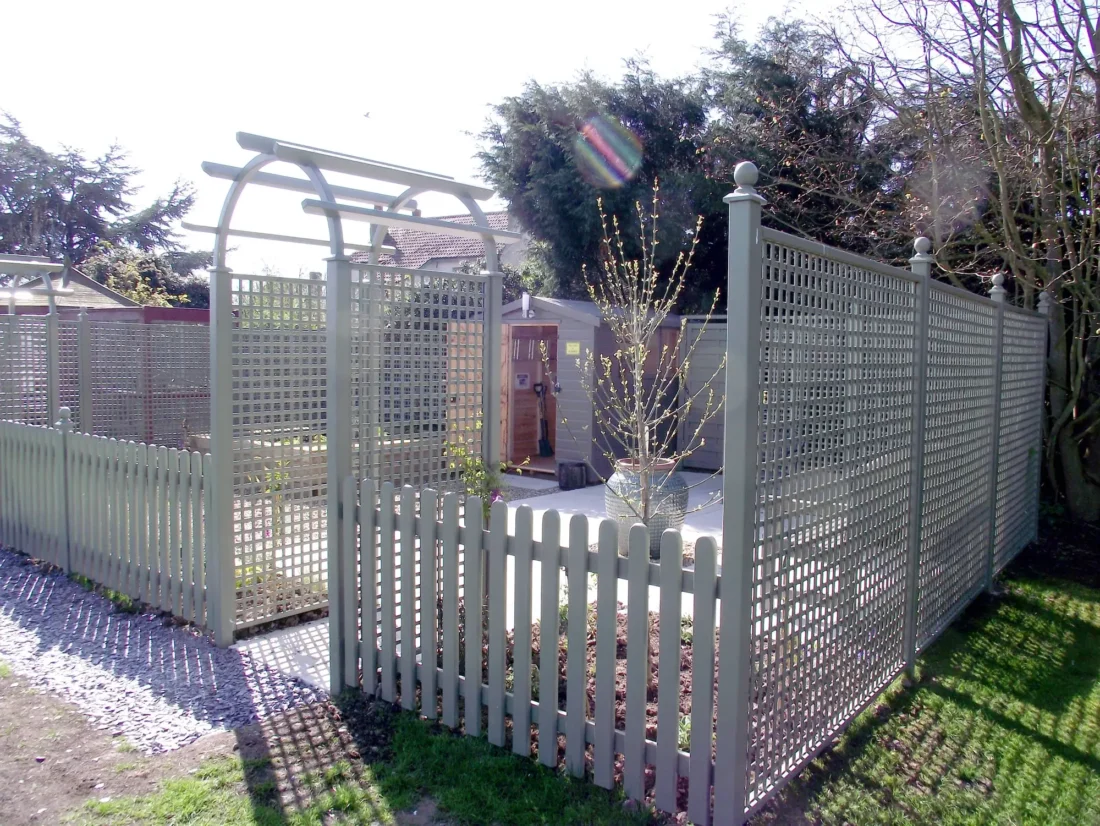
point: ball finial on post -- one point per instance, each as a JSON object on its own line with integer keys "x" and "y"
{"x": 745, "y": 175}
{"x": 997, "y": 291}
{"x": 922, "y": 245}
{"x": 1044, "y": 302}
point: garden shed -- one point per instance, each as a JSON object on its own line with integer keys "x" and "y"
{"x": 706, "y": 365}
{"x": 570, "y": 330}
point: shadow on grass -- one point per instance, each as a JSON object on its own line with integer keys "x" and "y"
{"x": 360, "y": 761}
{"x": 1002, "y": 727}
{"x": 1029, "y": 645}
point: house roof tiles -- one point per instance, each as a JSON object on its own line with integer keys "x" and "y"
{"x": 415, "y": 248}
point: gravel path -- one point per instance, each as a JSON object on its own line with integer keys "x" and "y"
{"x": 160, "y": 685}
{"x": 513, "y": 493}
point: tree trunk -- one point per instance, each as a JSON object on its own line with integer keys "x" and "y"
{"x": 1082, "y": 496}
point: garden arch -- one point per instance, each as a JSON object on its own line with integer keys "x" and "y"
{"x": 346, "y": 349}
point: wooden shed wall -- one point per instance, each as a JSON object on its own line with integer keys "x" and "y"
{"x": 573, "y": 422}
{"x": 574, "y": 436}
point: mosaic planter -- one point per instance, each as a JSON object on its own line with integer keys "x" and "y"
{"x": 670, "y": 502}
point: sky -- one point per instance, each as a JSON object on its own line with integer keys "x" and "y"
{"x": 172, "y": 83}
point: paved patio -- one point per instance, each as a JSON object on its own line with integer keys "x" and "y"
{"x": 302, "y": 651}
{"x": 589, "y": 501}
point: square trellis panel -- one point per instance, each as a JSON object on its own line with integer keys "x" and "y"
{"x": 1019, "y": 442}
{"x": 279, "y": 472}
{"x": 418, "y": 370}
{"x": 958, "y": 446}
{"x": 24, "y": 393}
{"x": 837, "y": 382}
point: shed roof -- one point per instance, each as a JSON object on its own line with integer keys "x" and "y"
{"x": 86, "y": 292}
{"x": 572, "y": 308}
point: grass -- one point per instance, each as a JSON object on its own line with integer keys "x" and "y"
{"x": 212, "y": 796}
{"x": 5, "y": 671}
{"x": 471, "y": 782}
{"x": 121, "y": 601}
{"x": 1002, "y": 728}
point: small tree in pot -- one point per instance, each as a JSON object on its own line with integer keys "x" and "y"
{"x": 635, "y": 390}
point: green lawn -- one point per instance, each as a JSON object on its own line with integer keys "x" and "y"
{"x": 471, "y": 781}
{"x": 1003, "y": 727}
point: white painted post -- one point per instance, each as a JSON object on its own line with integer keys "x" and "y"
{"x": 84, "y": 372}
{"x": 490, "y": 404}
{"x": 338, "y": 449}
{"x": 53, "y": 366}
{"x": 740, "y": 455}
{"x": 921, "y": 265}
{"x": 220, "y": 561}
{"x": 998, "y": 295}
{"x": 65, "y": 427}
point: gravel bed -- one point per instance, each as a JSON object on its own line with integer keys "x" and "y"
{"x": 141, "y": 676}
{"x": 512, "y": 493}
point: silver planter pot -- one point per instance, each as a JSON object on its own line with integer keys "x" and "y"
{"x": 670, "y": 503}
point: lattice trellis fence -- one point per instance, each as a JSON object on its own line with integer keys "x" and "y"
{"x": 415, "y": 354}
{"x": 148, "y": 382}
{"x": 24, "y": 370}
{"x": 957, "y": 457}
{"x": 892, "y": 428}
{"x": 417, "y": 366}
{"x": 1018, "y": 464}
{"x": 835, "y": 421}
{"x": 279, "y": 451}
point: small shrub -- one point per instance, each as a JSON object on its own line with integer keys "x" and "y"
{"x": 683, "y": 736}
{"x": 477, "y": 477}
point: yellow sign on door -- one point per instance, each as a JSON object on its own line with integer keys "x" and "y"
{"x": 572, "y": 348}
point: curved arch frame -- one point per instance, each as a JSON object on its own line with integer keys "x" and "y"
{"x": 222, "y": 617}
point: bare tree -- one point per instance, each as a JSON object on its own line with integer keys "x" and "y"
{"x": 1004, "y": 95}
{"x": 634, "y": 390}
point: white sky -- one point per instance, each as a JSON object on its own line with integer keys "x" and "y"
{"x": 172, "y": 83}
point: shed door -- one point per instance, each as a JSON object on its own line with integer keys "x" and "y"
{"x": 704, "y": 362}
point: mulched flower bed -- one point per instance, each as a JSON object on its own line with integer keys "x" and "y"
{"x": 683, "y": 679}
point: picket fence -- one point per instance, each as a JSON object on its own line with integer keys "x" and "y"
{"x": 420, "y": 567}
{"x": 126, "y": 515}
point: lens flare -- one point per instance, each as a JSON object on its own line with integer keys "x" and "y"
{"x": 607, "y": 152}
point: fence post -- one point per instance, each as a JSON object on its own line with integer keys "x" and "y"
{"x": 65, "y": 429}
{"x": 53, "y": 366}
{"x": 339, "y": 448}
{"x": 740, "y": 456}
{"x": 998, "y": 296}
{"x": 220, "y": 553}
{"x": 1045, "y": 309}
{"x": 490, "y": 386}
{"x": 85, "y": 412}
{"x": 921, "y": 265}
{"x": 490, "y": 403}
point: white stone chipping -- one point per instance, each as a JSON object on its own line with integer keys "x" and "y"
{"x": 156, "y": 683}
